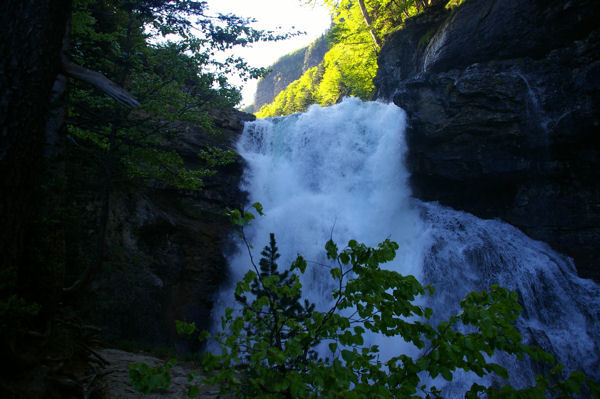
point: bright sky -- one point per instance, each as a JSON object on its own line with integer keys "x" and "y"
{"x": 290, "y": 15}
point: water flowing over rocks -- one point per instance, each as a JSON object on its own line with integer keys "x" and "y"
{"x": 339, "y": 172}
{"x": 502, "y": 99}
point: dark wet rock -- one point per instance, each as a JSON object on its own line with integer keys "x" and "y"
{"x": 503, "y": 102}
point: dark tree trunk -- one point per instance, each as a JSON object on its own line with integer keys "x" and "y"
{"x": 369, "y": 23}
{"x": 30, "y": 50}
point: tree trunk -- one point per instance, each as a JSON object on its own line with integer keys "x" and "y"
{"x": 367, "y": 18}
{"x": 30, "y": 50}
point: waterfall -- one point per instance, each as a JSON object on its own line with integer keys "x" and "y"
{"x": 338, "y": 172}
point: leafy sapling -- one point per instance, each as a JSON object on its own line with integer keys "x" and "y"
{"x": 272, "y": 349}
{"x": 278, "y": 291}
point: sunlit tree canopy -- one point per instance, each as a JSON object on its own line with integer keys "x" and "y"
{"x": 360, "y": 29}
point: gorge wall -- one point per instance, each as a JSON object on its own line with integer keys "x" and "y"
{"x": 166, "y": 246}
{"x": 502, "y": 98}
{"x": 288, "y": 69}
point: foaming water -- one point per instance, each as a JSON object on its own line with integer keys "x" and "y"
{"x": 338, "y": 172}
{"x": 561, "y": 311}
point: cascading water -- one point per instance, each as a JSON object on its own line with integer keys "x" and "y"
{"x": 338, "y": 172}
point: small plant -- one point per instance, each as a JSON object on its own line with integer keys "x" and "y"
{"x": 424, "y": 40}
{"x": 147, "y": 379}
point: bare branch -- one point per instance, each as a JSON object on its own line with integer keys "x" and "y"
{"x": 101, "y": 82}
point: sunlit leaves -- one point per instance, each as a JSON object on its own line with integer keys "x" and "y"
{"x": 297, "y": 97}
{"x": 347, "y": 70}
{"x": 349, "y": 67}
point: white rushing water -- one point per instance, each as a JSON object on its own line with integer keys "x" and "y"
{"x": 338, "y": 171}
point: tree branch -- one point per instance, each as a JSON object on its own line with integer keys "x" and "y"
{"x": 101, "y": 82}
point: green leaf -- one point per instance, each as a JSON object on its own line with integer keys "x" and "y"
{"x": 332, "y": 250}
{"x": 446, "y": 374}
{"x": 336, "y": 273}
{"x": 147, "y": 379}
{"x": 344, "y": 258}
{"x": 203, "y": 335}
{"x": 299, "y": 263}
{"x": 428, "y": 313}
{"x": 184, "y": 328}
{"x": 348, "y": 356}
{"x": 193, "y": 391}
{"x": 259, "y": 208}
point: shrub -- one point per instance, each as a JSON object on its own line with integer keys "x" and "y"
{"x": 270, "y": 348}
{"x": 273, "y": 346}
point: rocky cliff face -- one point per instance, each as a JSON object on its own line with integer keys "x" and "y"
{"x": 166, "y": 247}
{"x": 502, "y": 98}
{"x": 287, "y": 69}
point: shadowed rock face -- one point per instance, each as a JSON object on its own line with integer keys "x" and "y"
{"x": 168, "y": 246}
{"x": 503, "y": 102}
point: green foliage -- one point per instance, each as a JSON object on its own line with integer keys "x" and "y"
{"x": 185, "y": 328}
{"x": 346, "y": 70}
{"x": 241, "y": 218}
{"x": 147, "y": 379}
{"x": 289, "y": 70}
{"x": 15, "y": 313}
{"x": 164, "y": 54}
{"x": 154, "y": 50}
{"x": 295, "y": 98}
{"x": 275, "y": 296}
{"x": 215, "y": 156}
{"x": 350, "y": 65}
{"x": 290, "y": 64}
{"x": 349, "y": 71}
{"x": 269, "y": 349}
{"x": 455, "y": 3}
{"x": 170, "y": 79}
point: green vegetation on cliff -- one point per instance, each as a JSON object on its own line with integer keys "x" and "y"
{"x": 288, "y": 69}
{"x": 154, "y": 52}
{"x": 348, "y": 68}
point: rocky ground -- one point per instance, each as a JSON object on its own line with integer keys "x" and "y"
{"x": 114, "y": 381}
